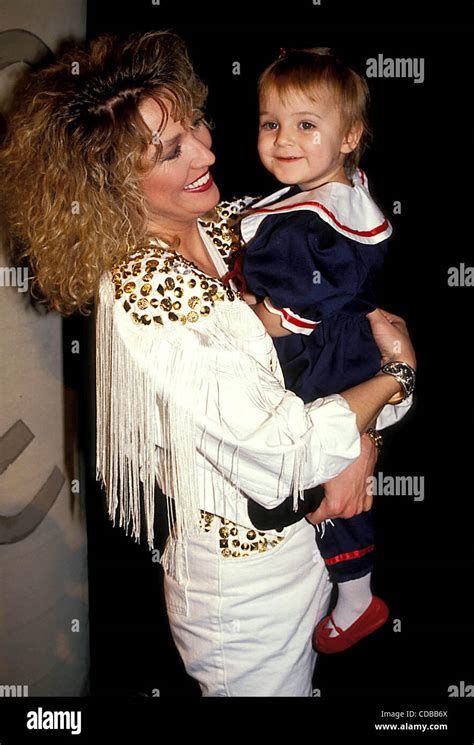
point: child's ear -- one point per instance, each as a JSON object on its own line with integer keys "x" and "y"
{"x": 352, "y": 137}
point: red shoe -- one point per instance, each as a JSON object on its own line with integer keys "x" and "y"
{"x": 371, "y": 619}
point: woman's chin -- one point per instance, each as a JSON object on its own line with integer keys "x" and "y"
{"x": 207, "y": 200}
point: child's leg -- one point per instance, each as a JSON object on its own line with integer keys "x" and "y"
{"x": 347, "y": 549}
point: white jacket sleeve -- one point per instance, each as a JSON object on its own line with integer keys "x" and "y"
{"x": 260, "y": 437}
{"x": 393, "y": 413}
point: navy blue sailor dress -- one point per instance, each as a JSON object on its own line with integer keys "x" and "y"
{"x": 314, "y": 271}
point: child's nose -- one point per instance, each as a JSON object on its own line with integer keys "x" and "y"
{"x": 283, "y": 136}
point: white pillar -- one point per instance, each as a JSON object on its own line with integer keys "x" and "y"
{"x": 44, "y": 634}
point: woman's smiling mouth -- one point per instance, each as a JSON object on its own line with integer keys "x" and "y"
{"x": 203, "y": 183}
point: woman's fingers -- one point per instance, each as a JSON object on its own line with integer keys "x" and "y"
{"x": 390, "y": 317}
{"x": 391, "y": 336}
{"x": 324, "y": 512}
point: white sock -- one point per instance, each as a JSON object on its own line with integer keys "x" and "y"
{"x": 354, "y": 598}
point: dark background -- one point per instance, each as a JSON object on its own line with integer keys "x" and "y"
{"x": 422, "y": 157}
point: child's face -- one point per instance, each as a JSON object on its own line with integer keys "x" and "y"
{"x": 302, "y": 141}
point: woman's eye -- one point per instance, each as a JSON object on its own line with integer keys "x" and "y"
{"x": 174, "y": 154}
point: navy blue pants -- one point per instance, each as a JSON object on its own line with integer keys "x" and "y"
{"x": 346, "y": 545}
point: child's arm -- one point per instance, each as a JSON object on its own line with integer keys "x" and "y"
{"x": 271, "y": 321}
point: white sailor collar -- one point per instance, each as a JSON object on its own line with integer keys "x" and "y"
{"x": 349, "y": 210}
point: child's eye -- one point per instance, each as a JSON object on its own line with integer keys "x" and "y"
{"x": 174, "y": 154}
{"x": 269, "y": 125}
{"x": 307, "y": 125}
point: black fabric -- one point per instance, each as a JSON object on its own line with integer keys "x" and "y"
{"x": 283, "y": 515}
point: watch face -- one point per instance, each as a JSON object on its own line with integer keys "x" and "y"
{"x": 403, "y": 372}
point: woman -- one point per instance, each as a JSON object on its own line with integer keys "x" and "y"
{"x": 110, "y": 197}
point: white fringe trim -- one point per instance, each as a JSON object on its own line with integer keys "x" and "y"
{"x": 150, "y": 378}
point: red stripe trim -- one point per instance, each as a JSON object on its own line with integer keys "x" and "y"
{"x": 349, "y": 555}
{"x": 296, "y": 321}
{"x": 365, "y": 233}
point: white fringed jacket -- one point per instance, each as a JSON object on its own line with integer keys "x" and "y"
{"x": 190, "y": 392}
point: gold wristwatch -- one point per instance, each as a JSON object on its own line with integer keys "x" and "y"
{"x": 405, "y": 375}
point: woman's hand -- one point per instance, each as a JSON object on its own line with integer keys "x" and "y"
{"x": 347, "y": 495}
{"x": 391, "y": 336}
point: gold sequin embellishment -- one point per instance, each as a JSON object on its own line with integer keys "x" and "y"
{"x": 184, "y": 293}
{"x": 236, "y": 541}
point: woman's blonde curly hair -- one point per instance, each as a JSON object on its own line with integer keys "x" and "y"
{"x": 74, "y": 153}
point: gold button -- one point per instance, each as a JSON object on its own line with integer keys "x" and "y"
{"x": 194, "y": 301}
{"x": 129, "y": 287}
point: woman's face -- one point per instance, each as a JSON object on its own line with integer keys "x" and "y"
{"x": 179, "y": 188}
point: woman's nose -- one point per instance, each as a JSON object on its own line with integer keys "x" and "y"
{"x": 202, "y": 153}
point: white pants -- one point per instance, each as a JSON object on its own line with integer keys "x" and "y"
{"x": 243, "y": 626}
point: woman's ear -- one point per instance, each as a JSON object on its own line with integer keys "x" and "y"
{"x": 352, "y": 137}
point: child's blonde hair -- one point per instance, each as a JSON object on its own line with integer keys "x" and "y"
{"x": 305, "y": 70}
